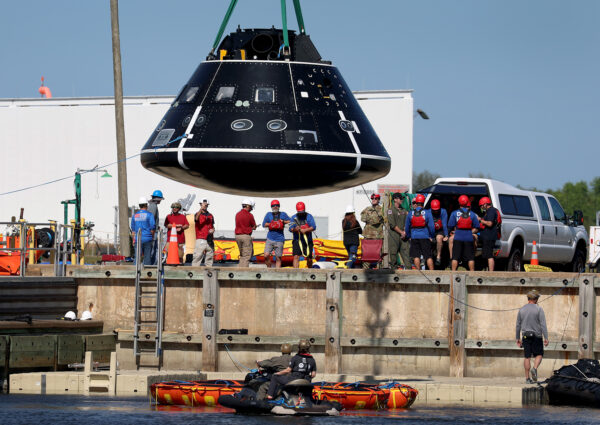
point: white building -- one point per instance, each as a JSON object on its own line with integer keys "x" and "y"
{"x": 48, "y": 139}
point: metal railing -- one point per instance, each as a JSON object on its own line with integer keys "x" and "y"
{"x": 63, "y": 245}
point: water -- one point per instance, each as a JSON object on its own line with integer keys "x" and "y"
{"x": 36, "y": 409}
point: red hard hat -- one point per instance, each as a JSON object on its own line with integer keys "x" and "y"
{"x": 300, "y": 207}
{"x": 463, "y": 201}
{"x": 274, "y": 202}
{"x": 420, "y": 199}
{"x": 485, "y": 200}
{"x": 435, "y": 205}
{"x": 375, "y": 196}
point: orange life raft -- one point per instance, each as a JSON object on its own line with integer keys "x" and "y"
{"x": 392, "y": 395}
{"x": 400, "y": 396}
{"x": 193, "y": 393}
{"x": 351, "y": 396}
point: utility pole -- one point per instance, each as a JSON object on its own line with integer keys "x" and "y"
{"x": 119, "y": 121}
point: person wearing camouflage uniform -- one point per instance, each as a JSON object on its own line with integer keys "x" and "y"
{"x": 372, "y": 216}
{"x": 397, "y": 242}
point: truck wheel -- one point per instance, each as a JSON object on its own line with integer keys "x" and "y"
{"x": 515, "y": 260}
{"x": 578, "y": 263}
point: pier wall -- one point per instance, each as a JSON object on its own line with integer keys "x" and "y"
{"x": 360, "y": 322}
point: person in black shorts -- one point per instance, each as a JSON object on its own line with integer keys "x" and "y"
{"x": 463, "y": 221}
{"x": 419, "y": 228}
{"x": 302, "y": 225}
{"x": 489, "y": 230}
{"x": 530, "y": 329}
{"x": 302, "y": 366}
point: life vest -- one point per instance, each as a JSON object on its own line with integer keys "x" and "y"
{"x": 464, "y": 220}
{"x": 303, "y": 368}
{"x": 498, "y": 224}
{"x": 437, "y": 222}
{"x": 302, "y": 222}
{"x": 417, "y": 221}
{"x": 276, "y": 223}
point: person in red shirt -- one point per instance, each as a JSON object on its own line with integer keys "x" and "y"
{"x": 179, "y": 221}
{"x": 244, "y": 225}
{"x": 205, "y": 226}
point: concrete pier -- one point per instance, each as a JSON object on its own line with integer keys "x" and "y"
{"x": 507, "y": 392}
{"x": 360, "y": 322}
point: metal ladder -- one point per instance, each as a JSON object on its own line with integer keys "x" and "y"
{"x": 149, "y": 302}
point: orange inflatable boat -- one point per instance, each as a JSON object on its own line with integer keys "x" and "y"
{"x": 400, "y": 396}
{"x": 193, "y": 393}
{"x": 352, "y": 396}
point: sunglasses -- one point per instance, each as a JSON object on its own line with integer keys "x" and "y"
{"x": 275, "y": 206}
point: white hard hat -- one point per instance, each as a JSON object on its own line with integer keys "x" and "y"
{"x": 70, "y": 315}
{"x": 248, "y": 201}
{"x": 86, "y": 315}
{"x": 143, "y": 201}
{"x": 204, "y": 200}
{"x": 349, "y": 209}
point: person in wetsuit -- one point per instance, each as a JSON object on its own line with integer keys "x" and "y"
{"x": 302, "y": 366}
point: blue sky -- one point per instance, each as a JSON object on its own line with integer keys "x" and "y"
{"x": 511, "y": 87}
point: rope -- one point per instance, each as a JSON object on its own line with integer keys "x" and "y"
{"x": 223, "y": 25}
{"x": 299, "y": 17}
{"x": 564, "y": 330}
{"x": 498, "y": 310}
{"x": 235, "y": 362}
{"x": 90, "y": 171}
{"x": 286, "y": 41}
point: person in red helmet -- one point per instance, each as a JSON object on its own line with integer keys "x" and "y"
{"x": 419, "y": 229}
{"x": 303, "y": 224}
{"x": 463, "y": 221}
{"x": 440, "y": 224}
{"x": 489, "y": 230}
{"x": 275, "y": 220}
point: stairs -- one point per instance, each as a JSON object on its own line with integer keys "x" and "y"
{"x": 149, "y": 305}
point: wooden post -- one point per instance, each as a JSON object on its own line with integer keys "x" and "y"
{"x": 120, "y": 131}
{"x": 210, "y": 321}
{"x": 457, "y": 325}
{"x": 333, "y": 320}
{"x": 587, "y": 313}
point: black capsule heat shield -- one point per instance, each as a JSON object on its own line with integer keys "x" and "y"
{"x": 253, "y": 123}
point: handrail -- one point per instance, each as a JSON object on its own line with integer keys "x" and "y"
{"x": 27, "y": 249}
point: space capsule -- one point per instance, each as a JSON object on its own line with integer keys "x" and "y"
{"x": 256, "y": 120}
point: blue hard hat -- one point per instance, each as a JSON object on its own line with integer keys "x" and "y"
{"x": 157, "y": 194}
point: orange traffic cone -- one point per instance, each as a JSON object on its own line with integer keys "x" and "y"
{"x": 534, "y": 255}
{"x": 173, "y": 254}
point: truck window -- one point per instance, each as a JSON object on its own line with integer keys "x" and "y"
{"x": 515, "y": 205}
{"x": 507, "y": 205}
{"x": 559, "y": 213}
{"x": 544, "y": 211}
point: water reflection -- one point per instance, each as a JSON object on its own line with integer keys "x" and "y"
{"x": 36, "y": 409}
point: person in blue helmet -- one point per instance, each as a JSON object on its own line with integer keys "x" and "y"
{"x": 419, "y": 229}
{"x": 464, "y": 222}
{"x": 142, "y": 219}
{"x": 153, "y": 203}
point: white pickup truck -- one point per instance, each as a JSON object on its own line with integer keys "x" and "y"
{"x": 594, "y": 259}
{"x": 527, "y": 216}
